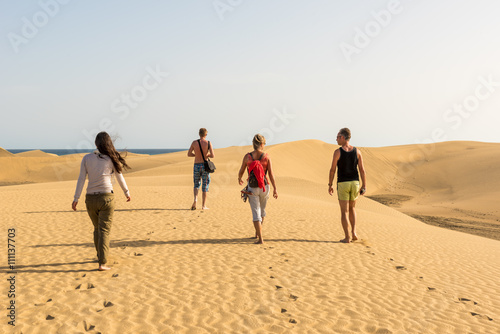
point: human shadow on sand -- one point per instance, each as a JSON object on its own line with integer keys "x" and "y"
{"x": 150, "y": 243}
{"x": 29, "y": 268}
{"x": 128, "y": 210}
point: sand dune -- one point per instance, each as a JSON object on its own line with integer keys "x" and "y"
{"x": 5, "y": 153}
{"x": 36, "y": 154}
{"x": 182, "y": 271}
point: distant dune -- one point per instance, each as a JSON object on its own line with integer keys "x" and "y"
{"x": 36, "y": 154}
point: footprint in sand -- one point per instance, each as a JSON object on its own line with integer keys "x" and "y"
{"x": 49, "y": 317}
{"x": 467, "y": 301}
{"x": 88, "y": 327}
{"x": 137, "y": 254}
{"x": 293, "y": 321}
{"x": 89, "y": 286}
{"x": 283, "y": 310}
{"x": 42, "y": 304}
{"x": 106, "y": 304}
{"x": 481, "y": 316}
{"x": 293, "y": 297}
{"x": 400, "y": 267}
{"x": 431, "y": 289}
{"x": 115, "y": 275}
{"x": 278, "y": 287}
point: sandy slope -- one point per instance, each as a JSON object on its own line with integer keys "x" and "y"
{"x": 182, "y": 271}
{"x": 5, "y": 153}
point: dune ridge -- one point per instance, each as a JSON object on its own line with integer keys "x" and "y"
{"x": 182, "y": 271}
{"x": 5, "y": 153}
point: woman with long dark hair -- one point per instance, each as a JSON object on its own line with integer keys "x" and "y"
{"x": 100, "y": 166}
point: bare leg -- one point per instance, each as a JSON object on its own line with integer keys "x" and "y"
{"x": 204, "y": 200}
{"x": 258, "y": 232}
{"x": 352, "y": 219}
{"x": 195, "y": 193}
{"x": 261, "y": 227}
{"x": 343, "y": 217}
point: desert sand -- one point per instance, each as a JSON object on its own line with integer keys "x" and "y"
{"x": 182, "y": 271}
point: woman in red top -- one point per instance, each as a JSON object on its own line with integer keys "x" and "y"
{"x": 260, "y": 195}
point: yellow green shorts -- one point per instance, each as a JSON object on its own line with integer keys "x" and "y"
{"x": 348, "y": 191}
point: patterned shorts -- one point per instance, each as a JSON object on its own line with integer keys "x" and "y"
{"x": 200, "y": 175}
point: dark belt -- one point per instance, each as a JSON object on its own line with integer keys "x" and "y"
{"x": 101, "y": 193}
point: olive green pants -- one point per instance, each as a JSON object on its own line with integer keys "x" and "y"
{"x": 100, "y": 208}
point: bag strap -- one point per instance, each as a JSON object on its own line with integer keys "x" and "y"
{"x": 250, "y": 154}
{"x": 203, "y": 155}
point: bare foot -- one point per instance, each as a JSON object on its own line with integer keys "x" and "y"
{"x": 204, "y": 208}
{"x": 345, "y": 241}
{"x": 102, "y": 267}
{"x": 193, "y": 207}
{"x": 259, "y": 242}
{"x": 354, "y": 238}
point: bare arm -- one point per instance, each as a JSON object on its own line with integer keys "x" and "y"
{"x": 210, "y": 151}
{"x": 191, "y": 150}
{"x": 242, "y": 169}
{"x": 333, "y": 168}
{"x": 362, "y": 173}
{"x": 271, "y": 177}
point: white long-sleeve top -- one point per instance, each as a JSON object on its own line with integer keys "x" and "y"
{"x": 100, "y": 170}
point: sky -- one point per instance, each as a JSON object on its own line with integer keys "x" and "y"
{"x": 152, "y": 72}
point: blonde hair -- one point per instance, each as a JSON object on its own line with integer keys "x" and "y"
{"x": 203, "y": 132}
{"x": 258, "y": 140}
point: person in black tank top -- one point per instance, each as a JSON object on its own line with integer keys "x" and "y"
{"x": 348, "y": 165}
{"x": 347, "y": 160}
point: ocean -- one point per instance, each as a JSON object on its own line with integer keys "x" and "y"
{"x": 138, "y": 151}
